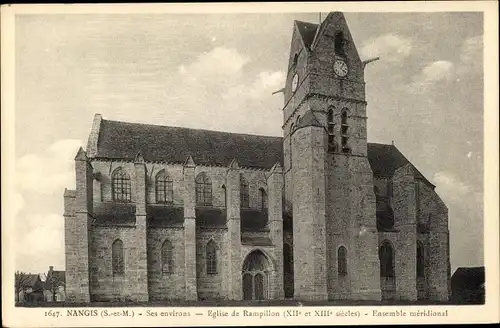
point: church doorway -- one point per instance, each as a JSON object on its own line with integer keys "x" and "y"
{"x": 256, "y": 269}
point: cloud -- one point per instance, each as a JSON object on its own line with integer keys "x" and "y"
{"x": 455, "y": 190}
{"x": 50, "y": 171}
{"x": 219, "y": 63}
{"x": 471, "y": 56}
{"x": 218, "y": 90}
{"x": 390, "y": 48}
{"x": 437, "y": 71}
{"x": 42, "y": 235}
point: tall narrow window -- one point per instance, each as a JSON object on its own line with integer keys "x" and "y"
{"x": 342, "y": 261}
{"x": 167, "y": 259}
{"x": 263, "y": 199}
{"x": 344, "y": 129}
{"x": 121, "y": 186}
{"x": 420, "y": 260}
{"x": 203, "y": 190}
{"x": 117, "y": 261}
{"x": 331, "y": 131}
{"x": 339, "y": 43}
{"x": 386, "y": 256}
{"x": 164, "y": 188}
{"x": 244, "y": 197}
{"x": 224, "y": 195}
{"x": 211, "y": 257}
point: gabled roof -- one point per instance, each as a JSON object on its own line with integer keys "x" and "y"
{"x": 29, "y": 280}
{"x": 120, "y": 140}
{"x": 307, "y": 31}
{"x": 57, "y": 277}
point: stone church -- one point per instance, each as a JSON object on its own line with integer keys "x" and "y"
{"x": 170, "y": 213}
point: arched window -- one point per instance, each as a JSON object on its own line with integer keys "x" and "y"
{"x": 339, "y": 43}
{"x": 386, "y": 256}
{"x": 295, "y": 59}
{"x": 263, "y": 199}
{"x": 164, "y": 188}
{"x": 167, "y": 258}
{"x": 121, "y": 186}
{"x": 344, "y": 128}
{"x": 117, "y": 261}
{"x": 331, "y": 131}
{"x": 211, "y": 257}
{"x": 376, "y": 191}
{"x": 342, "y": 261}
{"x": 203, "y": 190}
{"x": 224, "y": 195}
{"x": 420, "y": 260}
{"x": 244, "y": 197}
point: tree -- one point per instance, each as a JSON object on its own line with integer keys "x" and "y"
{"x": 19, "y": 283}
{"x": 52, "y": 283}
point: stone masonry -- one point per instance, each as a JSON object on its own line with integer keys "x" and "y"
{"x": 165, "y": 213}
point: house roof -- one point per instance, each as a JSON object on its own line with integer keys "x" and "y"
{"x": 30, "y": 280}
{"x": 59, "y": 278}
{"x": 307, "y": 32}
{"x": 123, "y": 140}
{"x": 468, "y": 278}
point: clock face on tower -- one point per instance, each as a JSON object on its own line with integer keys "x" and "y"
{"x": 295, "y": 82}
{"x": 340, "y": 68}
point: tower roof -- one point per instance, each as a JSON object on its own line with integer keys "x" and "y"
{"x": 307, "y": 32}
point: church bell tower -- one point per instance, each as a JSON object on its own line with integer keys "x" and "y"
{"x": 328, "y": 179}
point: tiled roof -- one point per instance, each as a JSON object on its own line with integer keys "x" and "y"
{"x": 468, "y": 278}
{"x": 121, "y": 140}
{"x": 114, "y": 214}
{"x": 307, "y": 32}
{"x": 253, "y": 220}
{"x": 386, "y": 159}
{"x": 210, "y": 217}
{"x": 161, "y": 216}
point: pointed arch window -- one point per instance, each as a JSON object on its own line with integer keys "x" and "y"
{"x": 420, "y": 260}
{"x": 203, "y": 190}
{"x": 386, "y": 256}
{"x": 331, "y": 131}
{"x": 342, "y": 261}
{"x": 263, "y": 199}
{"x": 167, "y": 258}
{"x": 244, "y": 197}
{"x": 121, "y": 186}
{"x": 211, "y": 257}
{"x": 117, "y": 260}
{"x": 164, "y": 188}
{"x": 344, "y": 130}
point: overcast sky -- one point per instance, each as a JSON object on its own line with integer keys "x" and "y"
{"x": 218, "y": 72}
